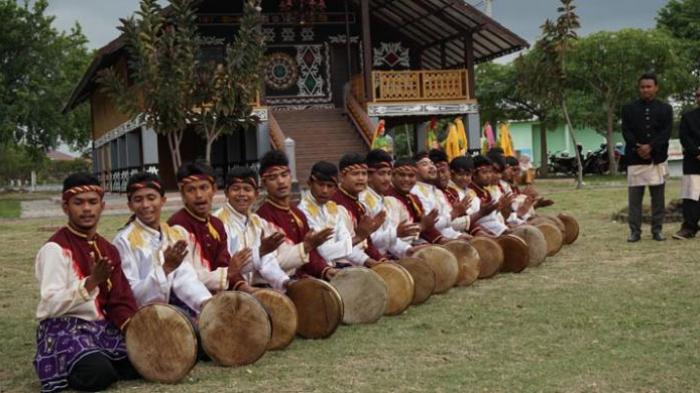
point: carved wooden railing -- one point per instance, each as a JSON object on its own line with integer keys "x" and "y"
{"x": 277, "y": 136}
{"x": 422, "y": 85}
{"x": 357, "y": 113}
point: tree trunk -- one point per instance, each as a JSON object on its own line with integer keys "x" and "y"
{"x": 174, "y": 138}
{"x": 173, "y": 151}
{"x": 579, "y": 177}
{"x": 207, "y": 153}
{"x": 609, "y": 139}
{"x": 544, "y": 157}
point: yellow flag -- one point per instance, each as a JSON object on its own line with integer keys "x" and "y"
{"x": 462, "y": 136}
{"x": 506, "y": 140}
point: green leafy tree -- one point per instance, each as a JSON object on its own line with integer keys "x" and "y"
{"x": 513, "y": 92}
{"x": 555, "y": 44}
{"x": 162, "y": 61}
{"x": 39, "y": 67}
{"x": 224, "y": 92}
{"x": 604, "y": 67}
{"x": 682, "y": 19}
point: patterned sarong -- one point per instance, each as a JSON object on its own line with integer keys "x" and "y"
{"x": 62, "y": 342}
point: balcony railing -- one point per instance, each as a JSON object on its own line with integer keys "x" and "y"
{"x": 422, "y": 85}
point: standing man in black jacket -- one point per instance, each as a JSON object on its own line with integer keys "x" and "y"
{"x": 690, "y": 186}
{"x": 646, "y": 127}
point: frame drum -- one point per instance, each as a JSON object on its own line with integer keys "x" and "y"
{"x": 319, "y": 307}
{"x": 536, "y": 243}
{"x": 515, "y": 253}
{"x": 399, "y": 285}
{"x": 571, "y": 228}
{"x": 490, "y": 256}
{"x": 161, "y": 343}
{"x": 444, "y": 265}
{"x": 235, "y": 329}
{"x": 468, "y": 260}
{"x": 283, "y": 316}
{"x": 553, "y": 236}
{"x": 423, "y": 278}
{"x": 364, "y": 294}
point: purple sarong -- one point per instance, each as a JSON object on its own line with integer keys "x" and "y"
{"x": 61, "y": 342}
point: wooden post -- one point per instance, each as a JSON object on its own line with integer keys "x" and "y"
{"x": 347, "y": 39}
{"x": 367, "y": 50}
{"x": 469, "y": 64}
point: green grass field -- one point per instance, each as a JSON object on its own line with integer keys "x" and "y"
{"x": 601, "y": 316}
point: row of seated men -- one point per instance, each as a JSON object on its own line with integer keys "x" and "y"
{"x": 365, "y": 211}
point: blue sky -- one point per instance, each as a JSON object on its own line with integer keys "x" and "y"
{"x": 99, "y": 18}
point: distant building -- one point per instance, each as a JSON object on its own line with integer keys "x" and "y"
{"x": 526, "y": 139}
{"x": 55, "y": 155}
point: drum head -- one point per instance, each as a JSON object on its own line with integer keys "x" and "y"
{"x": 571, "y": 228}
{"x": 399, "y": 285}
{"x": 319, "y": 307}
{"x": 444, "y": 265}
{"x": 235, "y": 329}
{"x": 515, "y": 253}
{"x": 490, "y": 256}
{"x": 423, "y": 278}
{"x": 547, "y": 219}
{"x": 467, "y": 259}
{"x": 161, "y": 343}
{"x": 553, "y": 237}
{"x": 283, "y": 316}
{"x": 536, "y": 243}
{"x": 364, "y": 294}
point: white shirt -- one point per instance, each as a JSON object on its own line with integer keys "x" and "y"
{"x": 141, "y": 250}
{"x": 331, "y": 215}
{"x": 492, "y": 222}
{"x": 62, "y": 291}
{"x": 245, "y": 231}
{"x": 513, "y": 218}
{"x": 385, "y": 238}
{"x": 433, "y": 198}
{"x": 647, "y": 175}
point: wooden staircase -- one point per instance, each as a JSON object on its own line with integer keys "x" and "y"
{"x": 319, "y": 135}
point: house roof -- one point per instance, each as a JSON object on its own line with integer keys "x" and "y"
{"x": 430, "y": 24}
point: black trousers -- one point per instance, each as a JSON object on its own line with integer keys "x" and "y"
{"x": 691, "y": 215}
{"x": 658, "y": 205}
{"x": 96, "y": 372}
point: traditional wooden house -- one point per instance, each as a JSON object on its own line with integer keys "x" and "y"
{"x": 331, "y": 75}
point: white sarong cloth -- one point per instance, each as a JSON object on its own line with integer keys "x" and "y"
{"x": 646, "y": 175}
{"x": 690, "y": 187}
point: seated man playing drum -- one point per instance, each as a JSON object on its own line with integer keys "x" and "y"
{"x": 246, "y": 229}
{"x": 155, "y": 256}
{"x": 348, "y": 245}
{"x": 403, "y": 205}
{"x": 85, "y": 300}
{"x": 215, "y": 267}
{"x": 523, "y": 204}
{"x": 288, "y": 219}
{"x": 457, "y": 206}
{"x": 389, "y": 237}
{"x": 492, "y": 224}
{"x": 353, "y": 180}
{"x": 433, "y": 198}
{"x": 461, "y": 170}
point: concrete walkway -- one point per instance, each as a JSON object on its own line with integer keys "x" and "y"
{"x": 115, "y": 205}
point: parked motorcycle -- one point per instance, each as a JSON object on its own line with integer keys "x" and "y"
{"x": 598, "y": 162}
{"x": 561, "y": 162}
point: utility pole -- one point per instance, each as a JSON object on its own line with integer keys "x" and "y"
{"x": 488, "y": 6}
